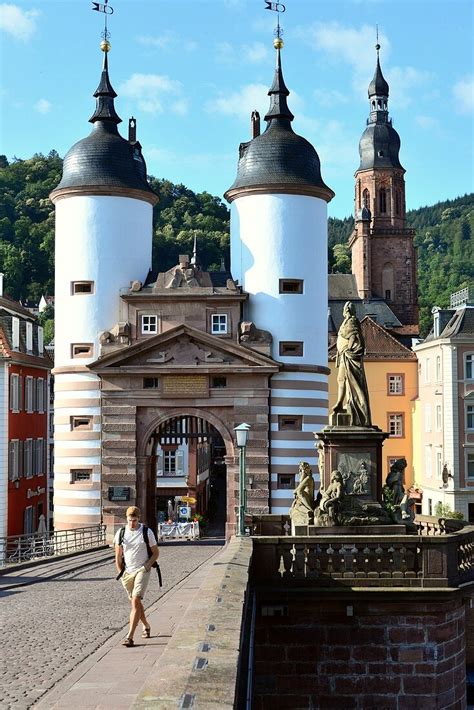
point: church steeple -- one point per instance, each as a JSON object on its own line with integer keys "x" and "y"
{"x": 105, "y": 94}
{"x": 278, "y": 92}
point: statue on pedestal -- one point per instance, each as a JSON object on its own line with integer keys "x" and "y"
{"x": 330, "y": 499}
{"x": 353, "y": 394}
{"x": 396, "y": 498}
{"x": 301, "y": 511}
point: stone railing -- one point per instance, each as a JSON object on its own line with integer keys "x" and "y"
{"x": 433, "y": 561}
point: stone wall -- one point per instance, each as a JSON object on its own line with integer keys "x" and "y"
{"x": 316, "y": 651}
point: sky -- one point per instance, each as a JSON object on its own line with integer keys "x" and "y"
{"x": 191, "y": 72}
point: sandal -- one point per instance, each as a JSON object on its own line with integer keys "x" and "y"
{"x": 128, "y": 642}
{"x": 146, "y": 632}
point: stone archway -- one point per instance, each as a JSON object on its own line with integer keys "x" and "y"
{"x": 148, "y": 424}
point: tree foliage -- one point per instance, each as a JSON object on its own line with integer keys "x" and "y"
{"x": 444, "y": 236}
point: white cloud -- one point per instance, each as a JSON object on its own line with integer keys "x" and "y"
{"x": 228, "y": 53}
{"x": 42, "y": 106}
{"x": 151, "y": 91}
{"x": 225, "y": 52}
{"x": 167, "y": 41}
{"x": 402, "y": 82}
{"x": 330, "y": 98}
{"x": 17, "y": 22}
{"x": 255, "y": 52}
{"x": 463, "y": 92}
{"x": 240, "y": 103}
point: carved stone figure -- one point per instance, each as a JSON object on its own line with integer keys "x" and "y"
{"x": 301, "y": 511}
{"x": 398, "y": 498}
{"x": 353, "y": 395}
{"x": 249, "y": 333}
{"x": 360, "y": 483}
{"x": 330, "y": 497}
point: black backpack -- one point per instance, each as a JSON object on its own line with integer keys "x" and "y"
{"x": 148, "y": 548}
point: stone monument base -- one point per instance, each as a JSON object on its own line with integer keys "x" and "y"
{"x": 315, "y": 530}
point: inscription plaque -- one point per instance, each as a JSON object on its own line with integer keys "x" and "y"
{"x": 119, "y": 493}
{"x": 185, "y": 386}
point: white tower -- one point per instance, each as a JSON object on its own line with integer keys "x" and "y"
{"x": 279, "y": 254}
{"x": 103, "y": 241}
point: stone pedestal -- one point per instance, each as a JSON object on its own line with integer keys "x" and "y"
{"x": 356, "y": 452}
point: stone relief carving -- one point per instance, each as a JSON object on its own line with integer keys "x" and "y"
{"x": 355, "y": 470}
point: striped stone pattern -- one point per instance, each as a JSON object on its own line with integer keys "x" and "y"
{"x": 76, "y": 504}
{"x": 295, "y": 393}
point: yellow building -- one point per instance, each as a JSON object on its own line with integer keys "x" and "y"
{"x": 392, "y": 377}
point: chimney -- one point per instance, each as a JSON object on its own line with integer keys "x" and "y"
{"x": 132, "y": 130}
{"x": 255, "y": 124}
{"x": 1, "y": 284}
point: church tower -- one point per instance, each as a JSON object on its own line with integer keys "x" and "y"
{"x": 103, "y": 241}
{"x": 279, "y": 255}
{"x": 383, "y": 253}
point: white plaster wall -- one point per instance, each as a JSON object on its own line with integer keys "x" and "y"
{"x": 103, "y": 239}
{"x": 4, "y": 372}
{"x": 284, "y": 236}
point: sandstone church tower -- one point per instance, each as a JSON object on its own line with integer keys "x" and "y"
{"x": 103, "y": 240}
{"x": 279, "y": 255}
{"x": 383, "y": 253}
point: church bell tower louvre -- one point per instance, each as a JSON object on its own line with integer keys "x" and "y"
{"x": 103, "y": 240}
{"x": 383, "y": 252}
{"x": 279, "y": 255}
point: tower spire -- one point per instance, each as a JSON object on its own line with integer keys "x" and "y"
{"x": 105, "y": 94}
{"x": 278, "y": 91}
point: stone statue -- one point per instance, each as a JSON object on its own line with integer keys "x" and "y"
{"x": 353, "y": 394}
{"x": 331, "y": 497}
{"x": 301, "y": 511}
{"x": 398, "y": 498}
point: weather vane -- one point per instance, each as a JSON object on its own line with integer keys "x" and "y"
{"x": 276, "y": 7}
{"x": 107, "y": 10}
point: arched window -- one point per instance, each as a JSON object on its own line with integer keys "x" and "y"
{"x": 366, "y": 198}
{"x": 358, "y": 194}
{"x": 398, "y": 202}
{"x": 382, "y": 200}
{"x": 373, "y": 105}
{"x": 388, "y": 284}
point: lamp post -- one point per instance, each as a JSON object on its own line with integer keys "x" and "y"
{"x": 242, "y": 435}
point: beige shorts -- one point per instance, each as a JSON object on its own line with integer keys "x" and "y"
{"x": 136, "y": 583}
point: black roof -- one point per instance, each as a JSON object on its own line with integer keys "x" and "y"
{"x": 278, "y": 158}
{"x": 378, "y": 86}
{"x": 104, "y": 158}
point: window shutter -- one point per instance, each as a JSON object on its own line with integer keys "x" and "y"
{"x": 20, "y": 393}
{"x": 180, "y": 462}
{"x": 11, "y": 460}
{"x": 15, "y": 333}
{"x": 21, "y": 462}
{"x": 159, "y": 463}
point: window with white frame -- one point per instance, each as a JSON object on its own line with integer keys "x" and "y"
{"x": 40, "y": 340}
{"x": 219, "y": 323}
{"x": 395, "y": 384}
{"x": 439, "y": 417}
{"x": 40, "y": 395}
{"x": 15, "y": 392}
{"x": 13, "y": 460}
{"x": 28, "y": 458}
{"x": 169, "y": 463}
{"x": 149, "y": 324}
{"x": 427, "y": 417}
{"x": 439, "y": 463}
{"x": 470, "y": 464}
{"x": 15, "y": 333}
{"x": 395, "y": 425}
{"x": 39, "y": 457}
{"x": 470, "y": 416}
{"x": 29, "y": 336}
{"x": 29, "y": 404}
{"x": 438, "y": 368}
{"x": 428, "y": 462}
{"x": 427, "y": 377}
{"x": 469, "y": 366}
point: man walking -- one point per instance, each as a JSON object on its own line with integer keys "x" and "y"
{"x": 134, "y": 565}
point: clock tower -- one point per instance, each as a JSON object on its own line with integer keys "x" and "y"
{"x": 383, "y": 252}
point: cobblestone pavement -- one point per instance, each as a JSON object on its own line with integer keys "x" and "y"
{"x": 48, "y": 628}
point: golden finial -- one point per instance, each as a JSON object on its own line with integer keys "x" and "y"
{"x": 105, "y": 45}
{"x": 278, "y": 43}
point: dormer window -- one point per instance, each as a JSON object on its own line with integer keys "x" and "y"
{"x": 29, "y": 336}
{"x": 149, "y": 324}
{"x": 219, "y": 324}
{"x": 15, "y": 333}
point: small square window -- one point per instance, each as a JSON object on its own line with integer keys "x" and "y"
{"x": 396, "y": 384}
{"x": 149, "y": 324}
{"x": 291, "y": 348}
{"x": 291, "y": 286}
{"x": 81, "y": 475}
{"x": 219, "y": 382}
{"x": 290, "y": 422}
{"x": 82, "y": 350}
{"x": 83, "y": 423}
{"x": 286, "y": 481}
{"x": 150, "y": 383}
{"x": 219, "y": 323}
{"x": 395, "y": 425}
{"x": 82, "y": 287}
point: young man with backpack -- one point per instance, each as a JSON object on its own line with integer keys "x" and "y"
{"x": 136, "y": 552}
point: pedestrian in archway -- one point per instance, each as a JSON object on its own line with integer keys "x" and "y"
{"x": 136, "y": 551}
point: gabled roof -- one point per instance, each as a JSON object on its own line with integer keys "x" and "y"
{"x": 205, "y": 350}
{"x": 379, "y": 344}
{"x": 455, "y": 324}
{"x": 10, "y": 309}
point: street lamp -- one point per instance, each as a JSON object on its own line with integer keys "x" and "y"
{"x": 242, "y": 435}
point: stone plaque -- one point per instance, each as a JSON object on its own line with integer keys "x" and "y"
{"x": 119, "y": 493}
{"x": 356, "y": 471}
{"x": 185, "y": 386}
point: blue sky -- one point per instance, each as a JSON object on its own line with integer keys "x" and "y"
{"x": 191, "y": 71}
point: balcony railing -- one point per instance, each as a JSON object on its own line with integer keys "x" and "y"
{"x": 23, "y": 548}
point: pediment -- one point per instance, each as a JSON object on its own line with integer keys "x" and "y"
{"x": 183, "y": 347}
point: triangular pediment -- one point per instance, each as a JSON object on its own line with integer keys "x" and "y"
{"x": 184, "y": 347}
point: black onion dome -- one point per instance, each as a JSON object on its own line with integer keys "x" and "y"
{"x": 378, "y": 86}
{"x": 379, "y": 147}
{"x": 279, "y": 160}
{"x": 104, "y": 159}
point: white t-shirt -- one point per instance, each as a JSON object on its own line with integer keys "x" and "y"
{"x": 134, "y": 549}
